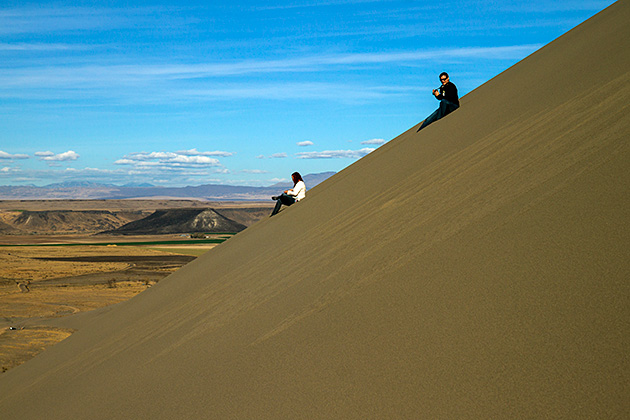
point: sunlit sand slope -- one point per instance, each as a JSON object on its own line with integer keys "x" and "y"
{"x": 478, "y": 269}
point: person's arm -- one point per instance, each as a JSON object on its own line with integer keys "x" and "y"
{"x": 297, "y": 189}
{"x": 292, "y": 190}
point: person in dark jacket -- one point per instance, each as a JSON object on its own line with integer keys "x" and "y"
{"x": 449, "y": 101}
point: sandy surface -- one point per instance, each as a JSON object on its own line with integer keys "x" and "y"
{"x": 475, "y": 270}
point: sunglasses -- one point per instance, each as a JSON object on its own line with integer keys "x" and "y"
{"x": 443, "y": 78}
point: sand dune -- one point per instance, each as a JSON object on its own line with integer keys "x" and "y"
{"x": 477, "y": 269}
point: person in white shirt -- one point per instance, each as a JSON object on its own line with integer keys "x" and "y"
{"x": 291, "y": 196}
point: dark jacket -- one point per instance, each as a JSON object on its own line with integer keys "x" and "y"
{"x": 449, "y": 92}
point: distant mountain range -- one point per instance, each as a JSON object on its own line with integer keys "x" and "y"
{"x": 84, "y": 190}
{"x": 89, "y": 184}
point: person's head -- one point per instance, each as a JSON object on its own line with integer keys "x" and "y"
{"x": 444, "y": 77}
{"x": 296, "y": 177}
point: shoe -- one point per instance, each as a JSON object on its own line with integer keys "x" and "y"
{"x": 275, "y": 197}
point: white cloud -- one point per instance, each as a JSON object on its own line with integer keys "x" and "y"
{"x": 61, "y": 157}
{"x": 195, "y": 152}
{"x": 173, "y": 167}
{"x": 254, "y": 171}
{"x": 44, "y": 154}
{"x": 168, "y": 159}
{"x": 374, "y": 141}
{"x": 5, "y": 155}
{"x": 336, "y": 154}
{"x": 278, "y": 156}
{"x": 305, "y": 143}
{"x": 125, "y": 162}
{"x": 203, "y": 160}
{"x": 276, "y": 180}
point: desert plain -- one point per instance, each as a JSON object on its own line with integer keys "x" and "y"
{"x": 55, "y": 269}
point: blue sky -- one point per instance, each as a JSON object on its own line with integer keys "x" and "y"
{"x": 239, "y": 92}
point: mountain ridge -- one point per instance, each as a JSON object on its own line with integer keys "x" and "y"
{"x": 170, "y": 221}
{"x": 93, "y": 190}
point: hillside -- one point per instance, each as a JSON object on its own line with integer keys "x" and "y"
{"x": 475, "y": 270}
{"x": 6, "y": 228}
{"x": 179, "y": 221}
{"x": 64, "y": 221}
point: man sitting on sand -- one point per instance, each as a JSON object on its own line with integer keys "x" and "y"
{"x": 449, "y": 101}
{"x": 291, "y": 196}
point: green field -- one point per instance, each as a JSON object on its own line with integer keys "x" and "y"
{"x": 142, "y": 243}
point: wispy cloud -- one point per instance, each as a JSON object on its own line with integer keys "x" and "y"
{"x": 26, "y": 20}
{"x": 374, "y": 141}
{"x": 145, "y": 74}
{"x": 308, "y": 4}
{"x": 39, "y": 46}
{"x": 305, "y": 143}
{"x": 31, "y": 19}
{"x": 553, "y": 7}
{"x": 278, "y": 156}
{"x": 131, "y": 84}
{"x": 341, "y": 92}
{"x": 195, "y": 152}
{"x": 336, "y": 154}
{"x": 254, "y": 171}
{"x": 9, "y": 156}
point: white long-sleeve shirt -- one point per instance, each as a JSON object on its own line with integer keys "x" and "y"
{"x": 298, "y": 191}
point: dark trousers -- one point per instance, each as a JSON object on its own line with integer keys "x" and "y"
{"x": 446, "y": 107}
{"x": 285, "y": 199}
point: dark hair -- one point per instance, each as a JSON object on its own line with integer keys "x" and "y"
{"x": 443, "y": 74}
{"x": 296, "y": 178}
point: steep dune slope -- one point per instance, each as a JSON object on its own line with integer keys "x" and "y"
{"x": 478, "y": 269}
